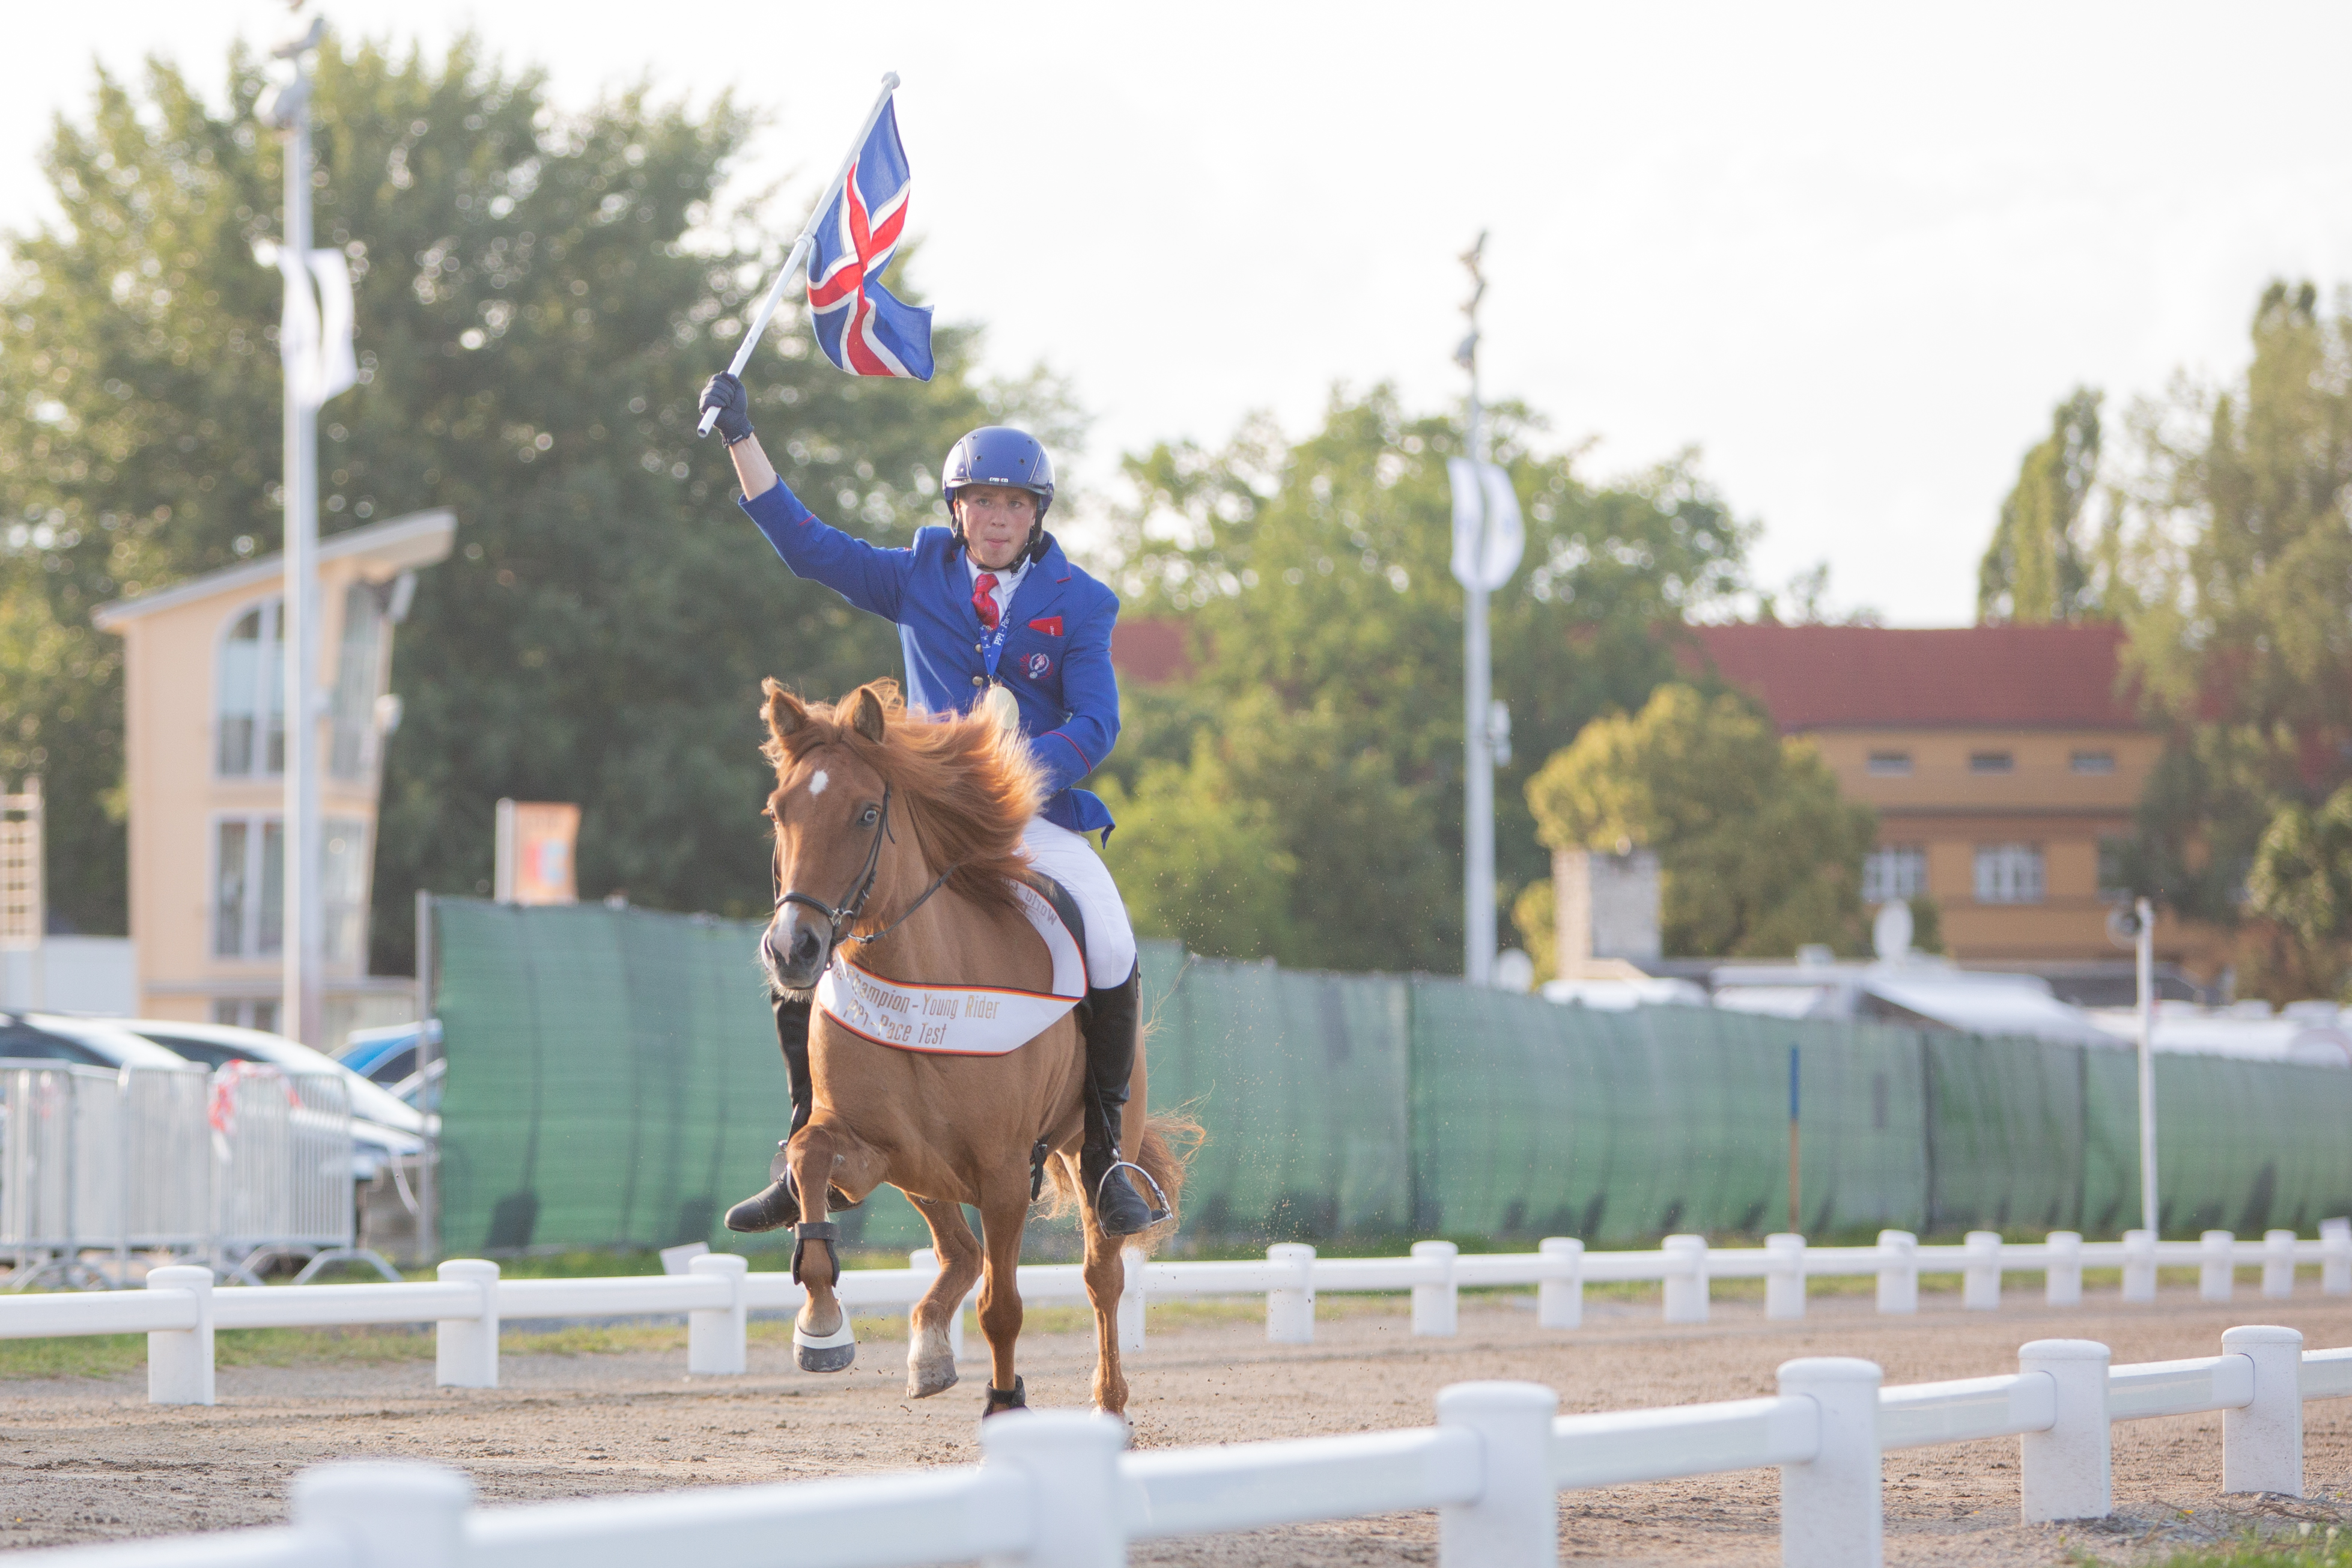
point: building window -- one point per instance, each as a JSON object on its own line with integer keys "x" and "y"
{"x": 343, "y": 889}
{"x": 251, "y": 695}
{"x": 1893, "y": 871}
{"x": 2092, "y": 761}
{"x": 1890, "y": 764}
{"x": 358, "y": 673}
{"x": 247, "y": 1013}
{"x": 1991, "y": 762}
{"x": 249, "y": 888}
{"x": 2009, "y": 873}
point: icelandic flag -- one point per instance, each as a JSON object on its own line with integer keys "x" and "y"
{"x": 863, "y": 327}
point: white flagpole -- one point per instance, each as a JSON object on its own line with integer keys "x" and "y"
{"x": 800, "y": 243}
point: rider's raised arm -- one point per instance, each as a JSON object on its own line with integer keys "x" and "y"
{"x": 869, "y": 576}
{"x": 1090, "y": 698}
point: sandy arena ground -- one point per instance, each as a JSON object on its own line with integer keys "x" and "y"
{"x": 89, "y": 1461}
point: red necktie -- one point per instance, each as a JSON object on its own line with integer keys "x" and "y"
{"x": 983, "y": 599}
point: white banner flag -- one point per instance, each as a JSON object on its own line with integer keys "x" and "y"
{"x": 314, "y": 331}
{"x": 1484, "y": 556}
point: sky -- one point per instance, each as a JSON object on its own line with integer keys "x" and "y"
{"x": 1851, "y": 254}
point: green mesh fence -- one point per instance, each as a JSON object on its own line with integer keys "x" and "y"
{"x": 614, "y": 1081}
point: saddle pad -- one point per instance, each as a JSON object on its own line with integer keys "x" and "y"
{"x": 957, "y": 1020}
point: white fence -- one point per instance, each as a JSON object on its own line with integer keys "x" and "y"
{"x": 180, "y": 1309}
{"x": 97, "y": 1161}
{"x": 1057, "y": 1491}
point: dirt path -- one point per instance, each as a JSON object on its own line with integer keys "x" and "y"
{"x": 89, "y": 1459}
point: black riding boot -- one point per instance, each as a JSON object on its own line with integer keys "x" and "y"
{"x": 776, "y": 1205}
{"x": 1110, "y": 1026}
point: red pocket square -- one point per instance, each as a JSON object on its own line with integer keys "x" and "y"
{"x": 1051, "y": 625}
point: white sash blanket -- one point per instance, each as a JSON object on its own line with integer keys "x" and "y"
{"x": 957, "y": 1020}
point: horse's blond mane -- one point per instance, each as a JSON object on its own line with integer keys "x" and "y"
{"x": 967, "y": 786}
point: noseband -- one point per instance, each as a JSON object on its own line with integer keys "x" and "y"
{"x": 841, "y": 920}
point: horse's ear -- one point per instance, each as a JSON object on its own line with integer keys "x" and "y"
{"x": 865, "y": 714}
{"x": 783, "y": 710}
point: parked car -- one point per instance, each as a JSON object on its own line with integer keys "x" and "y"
{"x": 83, "y": 1042}
{"x": 387, "y": 1054}
{"x": 383, "y": 1128}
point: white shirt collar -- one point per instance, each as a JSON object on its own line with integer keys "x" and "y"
{"x": 1006, "y": 576}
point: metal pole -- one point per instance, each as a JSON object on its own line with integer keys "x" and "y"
{"x": 301, "y": 936}
{"x": 428, "y": 1050}
{"x": 2145, "y": 950}
{"x": 1477, "y": 681}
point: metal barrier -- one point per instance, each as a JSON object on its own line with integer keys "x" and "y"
{"x": 98, "y": 1163}
{"x": 282, "y": 1164}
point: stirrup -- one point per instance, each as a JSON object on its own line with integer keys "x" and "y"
{"x": 1116, "y": 1167}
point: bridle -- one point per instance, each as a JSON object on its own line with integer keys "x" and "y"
{"x": 841, "y": 920}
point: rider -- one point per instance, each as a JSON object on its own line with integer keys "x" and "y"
{"x": 990, "y": 599}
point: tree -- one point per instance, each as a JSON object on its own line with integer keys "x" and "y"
{"x": 1199, "y": 861}
{"x": 2231, "y": 566}
{"x": 539, "y": 295}
{"x": 2302, "y": 885}
{"x": 1757, "y": 852}
{"x": 2035, "y": 571}
{"x": 1326, "y": 631}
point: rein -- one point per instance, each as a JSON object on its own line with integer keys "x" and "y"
{"x": 841, "y": 920}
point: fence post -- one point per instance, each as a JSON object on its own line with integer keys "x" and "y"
{"x": 1559, "y": 1303}
{"x": 2068, "y": 1472}
{"x": 1071, "y": 1463}
{"x": 385, "y": 1513}
{"x": 1436, "y": 1309}
{"x": 2063, "y": 1278}
{"x": 2335, "y": 1258}
{"x": 1981, "y": 1278}
{"x": 1784, "y": 1275}
{"x": 1130, "y": 1298}
{"x": 180, "y": 1361}
{"x": 1685, "y": 1279}
{"x": 1898, "y": 1271}
{"x": 2139, "y": 1266}
{"x": 1515, "y": 1523}
{"x": 466, "y": 1350}
{"x": 2262, "y": 1445}
{"x": 2217, "y": 1270}
{"x": 1831, "y": 1514}
{"x": 715, "y": 1336}
{"x": 924, "y": 1259}
{"x": 1290, "y": 1308}
{"x": 2278, "y": 1263}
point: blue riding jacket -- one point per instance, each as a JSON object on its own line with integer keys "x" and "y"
{"x": 1054, "y": 658}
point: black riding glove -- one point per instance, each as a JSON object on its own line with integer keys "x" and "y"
{"x": 725, "y": 395}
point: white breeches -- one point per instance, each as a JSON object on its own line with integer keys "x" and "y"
{"x": 1070, "y": 861}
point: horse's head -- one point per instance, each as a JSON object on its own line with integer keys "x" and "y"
{"x": 831, "y": 808}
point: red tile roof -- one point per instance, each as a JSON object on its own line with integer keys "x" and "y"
{"x": 1816, "y": 678}
{"x": 1150, "y": 649}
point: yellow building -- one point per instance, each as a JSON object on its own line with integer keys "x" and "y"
{"x": 2005, "y": 763}
{"x": 204, "y": 743}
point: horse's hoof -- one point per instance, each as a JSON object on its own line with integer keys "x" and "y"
{"x": 929, "y": 1376}
{"x": 826, "y": 1352}
{"x": 1001, "y": 1400}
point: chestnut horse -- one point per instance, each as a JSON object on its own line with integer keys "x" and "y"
{"x": 903, "y": 832}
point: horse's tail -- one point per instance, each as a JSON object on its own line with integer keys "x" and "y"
{"x": 1170, "y": 1139}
